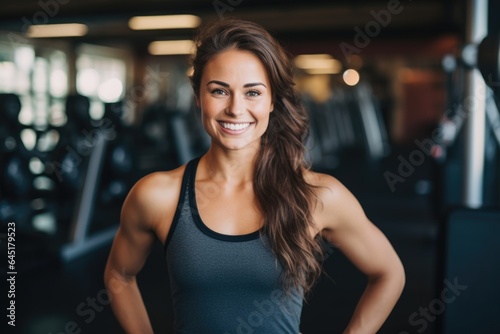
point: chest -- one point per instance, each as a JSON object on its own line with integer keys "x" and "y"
{"x": 208, "y": 264}
{"x": 231, "y": 212}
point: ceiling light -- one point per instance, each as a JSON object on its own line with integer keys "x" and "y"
{"x": 318, "y": 64}
{"x": 180, "y": 47}
{"x": 164, "y": 22}
{"x": 57, "y": 30}
{"x": 322, "y": 70}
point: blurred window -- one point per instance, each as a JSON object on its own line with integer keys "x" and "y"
{"x": 38, "y": 75}
{"x": 101, "y": 74}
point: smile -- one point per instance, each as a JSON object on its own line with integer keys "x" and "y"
{"x": 234, "y": 126}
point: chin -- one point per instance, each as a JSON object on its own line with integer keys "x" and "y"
{"x": 238, "y": 145}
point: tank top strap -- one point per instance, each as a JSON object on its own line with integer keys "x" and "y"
{"x": 187, "y": 182}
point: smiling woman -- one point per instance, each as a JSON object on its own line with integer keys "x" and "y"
{"x": 242, "y": 224}
{"x": 235, "y": 99}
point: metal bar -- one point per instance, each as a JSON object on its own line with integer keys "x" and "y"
{"x": 493, "y": 115}
{"x": 370, "y": 122}
{"x": 85, "y": 204}
{"x": 477, "y": 26}
{"x": 182, "y": 144}
{"x": 74, "y": 250}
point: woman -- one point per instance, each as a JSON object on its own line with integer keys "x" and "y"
{"x": 242, "y": 224}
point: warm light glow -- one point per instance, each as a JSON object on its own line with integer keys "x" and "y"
{"x": 57, "y": 30}
{"x": 351, "y": 77}
{"x": 304, "y": 58}
{"x": 355, "y": 62}
{"x": 171, "y": 47}
{"x": 322, "y": 70}
{"x": 318, "y": 64}
{"x": 164, "y": 22}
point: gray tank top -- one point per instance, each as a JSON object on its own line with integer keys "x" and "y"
{"x": 224, "y": 284}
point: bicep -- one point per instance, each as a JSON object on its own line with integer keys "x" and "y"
{"x": 129, "y": 251}
{"x": 132, "y": 243}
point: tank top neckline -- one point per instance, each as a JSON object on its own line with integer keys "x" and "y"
{"x": 191, "y": 169}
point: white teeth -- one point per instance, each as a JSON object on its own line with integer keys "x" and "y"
{"x": 235, "y": 127}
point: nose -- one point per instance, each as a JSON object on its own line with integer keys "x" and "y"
{"x": 236, "y": 106}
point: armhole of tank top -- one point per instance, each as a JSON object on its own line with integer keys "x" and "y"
{"x": 180, "y": 203}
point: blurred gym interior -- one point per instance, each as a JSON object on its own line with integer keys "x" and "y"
{"x": 403, "y": 98}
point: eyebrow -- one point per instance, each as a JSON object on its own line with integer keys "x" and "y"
{"x": 224, "y": 84}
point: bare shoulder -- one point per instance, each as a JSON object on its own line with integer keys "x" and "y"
{"x": 152, "y": 201}
{"x": 328, "y": 188}
{"x": 336, "y": 204}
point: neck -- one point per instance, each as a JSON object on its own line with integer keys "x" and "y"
{"x": 230, "y": 166}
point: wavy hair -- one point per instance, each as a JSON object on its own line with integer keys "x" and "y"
{"x": 284, "y": 196}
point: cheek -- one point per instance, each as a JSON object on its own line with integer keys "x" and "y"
{"x": 208, "y": 109}
{"x": 212, "y": 105}
{"x": 263, "y": 122}
{"x": 262, "y": 107}
{"x": 206, "y": 118}
{"x": 264, "y": 110}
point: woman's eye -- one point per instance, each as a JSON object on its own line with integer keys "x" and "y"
{"x": 218, "y": 91}
{"x": 253, "y": 93}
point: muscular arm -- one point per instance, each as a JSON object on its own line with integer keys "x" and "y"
{"x": 369, "y": 250}
{"x": 131, "y": 246}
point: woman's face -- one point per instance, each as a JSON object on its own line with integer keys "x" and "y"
{"x": 235, "y": 99}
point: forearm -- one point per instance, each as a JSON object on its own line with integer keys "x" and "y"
{"x": 127, "y": 305}
{"x": 375, "y": 305}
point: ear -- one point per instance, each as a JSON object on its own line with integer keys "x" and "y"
{"x": 272, "y": 107}
{"x": 197, "y": 99}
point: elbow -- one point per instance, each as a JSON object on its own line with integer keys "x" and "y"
{"x": 393, "y": 277}
{"x": 399, "y": 277}
{"x": 396, "y": 275}
{"x": 111, "y": 276}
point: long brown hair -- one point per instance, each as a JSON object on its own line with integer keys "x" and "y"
{"x": 284, "y": 196}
